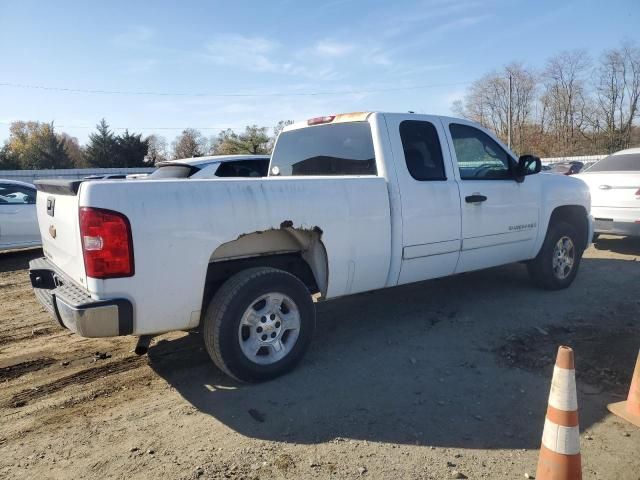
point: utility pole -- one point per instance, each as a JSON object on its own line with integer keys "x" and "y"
{"x": 509, "y": 115}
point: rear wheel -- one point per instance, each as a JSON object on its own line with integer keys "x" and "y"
{"x": 556, "y": 265}
{"x": 259, "y": 324}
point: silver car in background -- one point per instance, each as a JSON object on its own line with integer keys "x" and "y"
{"x": 18, "y": 221}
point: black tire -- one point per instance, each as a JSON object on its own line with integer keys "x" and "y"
{"x": 595, "y": 238}
{"x": 541, "y": 269}
{"x": 221, "y": 324}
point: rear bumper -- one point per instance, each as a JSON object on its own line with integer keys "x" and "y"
{"x": 616, "y": 220}
{"x": 74, "y": 308}
{"x": 611, "y": 227}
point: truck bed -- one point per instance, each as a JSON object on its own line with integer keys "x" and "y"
{"x": 177, "y": 226}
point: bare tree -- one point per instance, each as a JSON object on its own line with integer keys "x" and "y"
{"x": 524, "y": 87}
{"x": 276, "y": 131}
{"x": 189, "y": 144}
{"x": 617, "y": 94}
{"x": 157, "y": 149}
{"x": 564, "y": 99}
{"x": 488, "y": 102}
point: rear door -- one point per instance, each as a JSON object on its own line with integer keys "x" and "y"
{"x": 621, "y": 190}
{"x": 499, "y": 215}
{"x": 614, "y": 181}
{"x": 18, "y": 222}
{"x": 430, "y": 201}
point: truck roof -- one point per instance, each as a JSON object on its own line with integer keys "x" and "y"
{"x": 336, "y": 118}
{"x": 356, "y": 117}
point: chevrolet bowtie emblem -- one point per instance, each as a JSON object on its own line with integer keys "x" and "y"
{"x": 52, "y": 231}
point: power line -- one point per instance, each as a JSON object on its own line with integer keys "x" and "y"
{"x": 139, "y": 128}
{"x": 224, "y": 95}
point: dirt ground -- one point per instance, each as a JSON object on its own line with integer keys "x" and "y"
{"x": 414, "y": 382}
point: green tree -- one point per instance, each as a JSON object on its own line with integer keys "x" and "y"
{"x": 254, "y": 140}
{"x": 51, "y": 150}
{"x": 73, "y": 149}
{"x": 34, "y": 145}
{"x": 8, "y": 161}
{"x": 101, "y": 150}
{"x": 130, "y": 150}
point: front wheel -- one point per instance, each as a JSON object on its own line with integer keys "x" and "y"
{"x": 259, "y": 324}
{"x": 556, "y": 265}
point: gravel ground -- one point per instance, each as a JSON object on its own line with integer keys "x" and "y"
{"x": 432, "y": 380}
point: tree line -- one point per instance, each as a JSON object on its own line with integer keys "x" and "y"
{"x": 37, "y": 145}
{"x": 573, "y": 105}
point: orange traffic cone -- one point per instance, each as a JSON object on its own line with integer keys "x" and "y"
{"x": 630, "y": 408}
{"x": 560, "y": 450}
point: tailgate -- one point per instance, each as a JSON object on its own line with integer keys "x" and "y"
{"x": 57, "y": 208}
{"x": 620, "y": 190}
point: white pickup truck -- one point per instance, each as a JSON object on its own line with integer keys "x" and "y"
{"x": 353, "y": 202}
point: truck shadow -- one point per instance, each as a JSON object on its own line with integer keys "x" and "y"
{"x": 623, "y": 245}
{"x": 464, "y": 361}
{"x": 13, "y": 260}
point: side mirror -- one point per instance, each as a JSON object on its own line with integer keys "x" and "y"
{"x": 527, "y": 165}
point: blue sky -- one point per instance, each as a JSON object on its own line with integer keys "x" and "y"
{"x": 281, "y": 48}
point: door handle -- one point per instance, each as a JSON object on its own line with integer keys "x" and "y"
{"x": 475, "y": 198}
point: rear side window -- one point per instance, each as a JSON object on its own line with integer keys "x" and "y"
{"x": 171, "y": 171}
{"x": 243, "y": 168}
{"x": 629, "y": 162}
{"x": 422, "y": 151}
{"x": 333, "y": 149}
{"x": 16, "y": 194}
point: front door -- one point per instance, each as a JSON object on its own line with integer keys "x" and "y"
{"x": 499, "y": 215}
{"x": 430, "y": 200}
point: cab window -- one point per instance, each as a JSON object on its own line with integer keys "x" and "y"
{"x": 331, "y": 149}
{"x": 479, "y": 156}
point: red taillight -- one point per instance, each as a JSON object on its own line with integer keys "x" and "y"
{"x": 638, "y": 193}
{"x": 106, "y": 243}
{"x": 319, "y": 120}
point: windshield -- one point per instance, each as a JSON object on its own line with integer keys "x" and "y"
{"x": 332, "y": 149}
{"x": 618, "y": 163}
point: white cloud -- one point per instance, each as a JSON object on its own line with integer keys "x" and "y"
{"x": 134, "y": 36}
{"x": 254, "y": 53}
{"x": 261, "y": 54}
{"x": 377, "y": 56}
{"x": 332, "y": 48}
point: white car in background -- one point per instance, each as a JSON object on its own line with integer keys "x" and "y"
{"x": 18, "y": 221}
{"x": 213, "y": 166}
{"x": 614, "y": 183}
